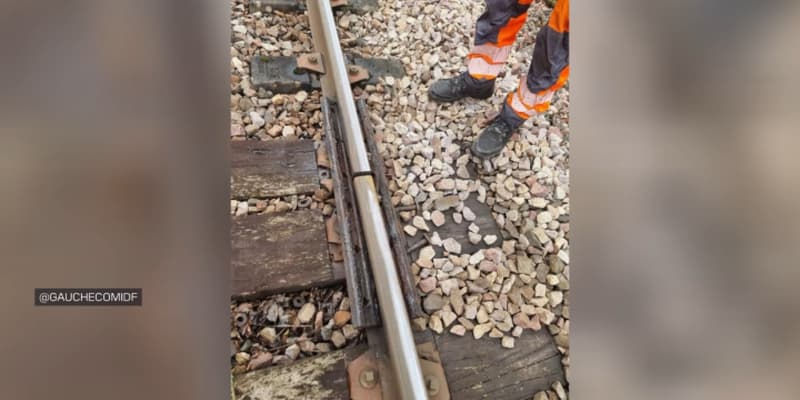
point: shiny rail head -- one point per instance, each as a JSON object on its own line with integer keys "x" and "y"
{"x": 337, "y": 80}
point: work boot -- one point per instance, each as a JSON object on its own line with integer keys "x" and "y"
{"x": 449, "y": 90}
{"x": 494, "y": 138}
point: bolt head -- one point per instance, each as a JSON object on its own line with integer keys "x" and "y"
{"x": 368, "y": 378}
{"x": 432, "y": 384}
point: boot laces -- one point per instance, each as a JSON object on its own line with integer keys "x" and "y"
{"x": 500, "y": 128}
{"x": 460, "y": 83}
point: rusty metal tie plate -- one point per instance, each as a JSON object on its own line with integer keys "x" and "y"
{"x": 372, "y": 379}
{"x": 311, "y": 62}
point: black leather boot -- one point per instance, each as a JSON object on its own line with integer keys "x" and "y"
{"x": 449, "y": 90}
{"x": 494, "y": 138}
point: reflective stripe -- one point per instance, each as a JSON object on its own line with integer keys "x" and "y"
{"x": 495, "y": 32}
{"x": 484, "y": 58}
{"x": 495, "y": 54}
{"x": 526, "y": 103}
{"x": 480, "y": 69}
{"x": 486, "y": 61}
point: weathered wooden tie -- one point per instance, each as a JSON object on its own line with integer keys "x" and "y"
{"x": 281, "y": 252}
{"x": 480, "y": 369}
{"x": 281, "y": 167}
{"x": 320, "y": 377}
{"x": 475, "y": 369}
{"x": 460, "y": 231}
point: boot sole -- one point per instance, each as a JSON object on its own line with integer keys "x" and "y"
{"x": 440, "y": 99}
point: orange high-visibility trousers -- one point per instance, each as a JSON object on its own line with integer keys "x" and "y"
{"x": 496, "y": 32}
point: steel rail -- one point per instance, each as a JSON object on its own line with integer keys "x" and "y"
{"x": 326, "y": 41}
{"x": 397, "y": 327}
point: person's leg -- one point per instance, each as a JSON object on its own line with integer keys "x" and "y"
{"x": 548, "y": 72}
{"x": 495, "y": 33}
{"x": 549, "y": 68}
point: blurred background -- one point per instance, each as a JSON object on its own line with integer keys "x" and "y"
{"x": 114, "y": 173}
{"x": 685, "y": 183}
